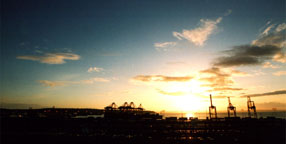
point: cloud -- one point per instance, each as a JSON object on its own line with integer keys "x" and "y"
{"x": 164, "y": 44}
{"x": 178, "y": 35}
{"x": 239, "y": 73}
{"x": 95, "y": 69}
{"x": 268, "y": 22}
{"x": 215, "y": 71}
{"x": 281, "y": 27}
{"x": 215, "y": 77}
{"x": 279, "y": 73}
{"x": 51, "y": 58}
{"x": 269, "y": 65}
{"x": 280, "y": 57}
{"x": 279, "y": 92}
{"x": 220, "y": 80}
{"x": 219, "y": 96}
{"x": 161, "y": 78}
{"x": 266, "y": 31}
{"x": 65, "y": 83}
{"x": 199, "y": 35}
{"x": 247, "y": 55}
{"x": 257, "y": 72}
{"x": 178, "y": 93}
{"x": 270, "y": 45}
{"x": 275, "y": 38}
{"x": 52, "y": 83}
{"x": 227, "y": 89}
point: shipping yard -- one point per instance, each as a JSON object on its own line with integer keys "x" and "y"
{"x": 130, "y": 124}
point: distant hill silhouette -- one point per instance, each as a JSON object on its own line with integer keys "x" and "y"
{"x": 20, "y": 106}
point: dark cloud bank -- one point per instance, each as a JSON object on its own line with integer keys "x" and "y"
{"x": 247, "y": 55}
{"x": 279, "y": 92}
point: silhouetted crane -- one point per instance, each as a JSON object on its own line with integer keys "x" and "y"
{"x": 212, "y": 109}
{"x": 124, "y": 107}
{"x": 113, "y": 106}
{"x": 132, "y": 105}
{"x": 231, "y": 108}
{"x": 140, "y": 108}
{"x": 251, "y": 107}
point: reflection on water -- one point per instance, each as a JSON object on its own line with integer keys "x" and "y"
{"x": 280, "y": 114}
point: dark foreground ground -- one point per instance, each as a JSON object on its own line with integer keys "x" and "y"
{"x": 113, "y": 130}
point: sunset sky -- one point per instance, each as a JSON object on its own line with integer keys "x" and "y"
{"x": 166, "y": 55}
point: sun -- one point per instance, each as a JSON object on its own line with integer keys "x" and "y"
{"x": 188, "y": 103}
{"x": 189, "y": 100}
{"x": 188, "y": 115}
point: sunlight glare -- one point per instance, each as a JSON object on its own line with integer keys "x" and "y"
{"x": 189, "y": 100}
{"x": 188, "y": 115}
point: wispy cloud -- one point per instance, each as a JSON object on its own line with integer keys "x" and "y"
{"x": 214, "y": 71}
{"x": 199, "y": 35}
{"x": 269, "y": 65}
{"x": 94, "y": 69}
{"x": 53, "y": 83}
{"x": 177, "y": 93}
{"x": 51, "y": 58}
{"x": 278, "y": 92}
{"x": 220, "y": 96}
{"x": 227, "y": 89}
{"x": 257, "y": 72}
{"x": 164, "y": 46}
{"x": 279, "y": 73}
{"x": 215, "y": 77}
{"x": 266, "y": 31}
{"x": 161, "y": 78}
{"x": 276, "y": 38}
{"x": 268, "y": 22}
{"x": 280, "y": 57}
{"x": 272, "y": 37}
{"x": 238, "y": 73}
{"x": 49, "y": 83}
{"x": 220, "y": 80}
{"x": 281, "y": 27}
